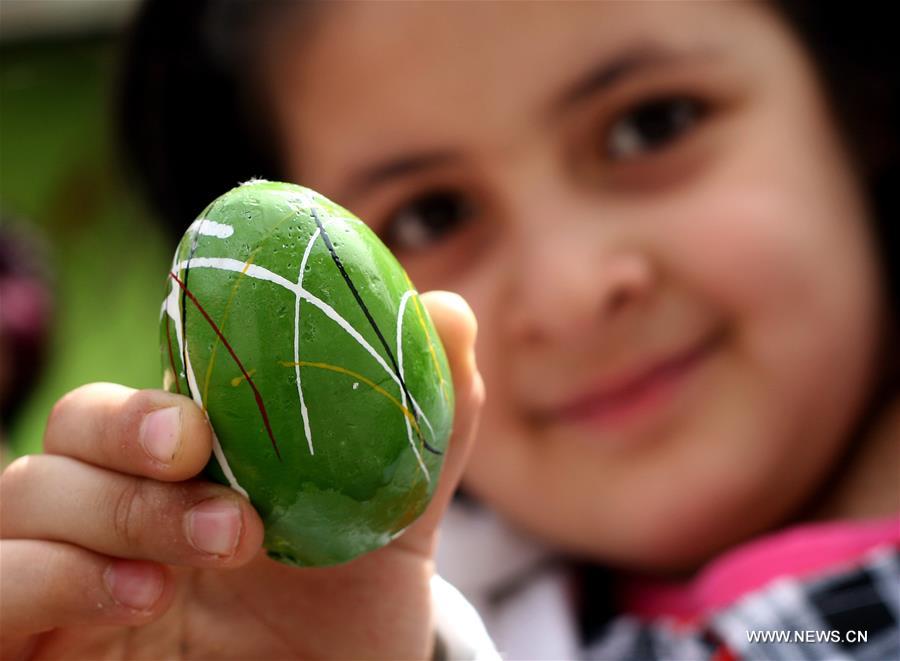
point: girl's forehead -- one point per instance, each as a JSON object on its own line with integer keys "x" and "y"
{"x": 367, "y": 74}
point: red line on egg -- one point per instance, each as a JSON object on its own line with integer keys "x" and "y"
{"x": 212, "y": 355}
{"x": 259, "y": 401}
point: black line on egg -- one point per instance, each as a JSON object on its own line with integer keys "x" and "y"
{"x": 365, "y": 310}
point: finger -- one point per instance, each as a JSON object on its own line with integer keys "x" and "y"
{"x": 457, "y": 327}
{"x": 190, "y": 523}
{"x": 456, "y": 324}
{"x": 142, "y": 432}
{"x": 48, "y": 585}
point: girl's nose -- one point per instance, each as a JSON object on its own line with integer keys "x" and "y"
{"x": 568, "y": 284}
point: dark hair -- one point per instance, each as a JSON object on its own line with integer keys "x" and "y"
{"x": 184, "y": 124}
{"x": 853, "y": 48}
{"x": 853, "y": 51}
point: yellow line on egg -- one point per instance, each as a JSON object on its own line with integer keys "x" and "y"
{"x": 356, "y": 375}
{"x": 236, "y": 381}
{"x": 434, "y": 359}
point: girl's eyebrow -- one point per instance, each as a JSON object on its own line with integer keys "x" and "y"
{"x": 395, "y": 167}
{"x": 603, "y": 77}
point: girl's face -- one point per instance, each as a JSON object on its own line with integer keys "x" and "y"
{"x": 651, "y": 214}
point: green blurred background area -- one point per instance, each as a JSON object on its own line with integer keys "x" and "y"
{"x": 61, "y": 184}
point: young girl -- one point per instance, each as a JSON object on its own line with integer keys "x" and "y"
{"x": 667, "y": 230}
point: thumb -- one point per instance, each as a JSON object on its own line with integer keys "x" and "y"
{"x": 457, "y": 327}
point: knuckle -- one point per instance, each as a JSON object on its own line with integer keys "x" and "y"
{"x": 17, "y": 466}
{"x": 128, "y": 512}
{"x": 15, "y": 475}
{"x": 15, "y": 483}
{"x": 62, "y": 415}
{"x": 55, "y": 419}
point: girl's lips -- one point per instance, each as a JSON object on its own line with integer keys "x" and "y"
{"x": 634, "y": 397}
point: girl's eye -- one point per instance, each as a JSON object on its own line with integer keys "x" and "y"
{"x": 427, "y": 220}
{"x": 651, "y": 125}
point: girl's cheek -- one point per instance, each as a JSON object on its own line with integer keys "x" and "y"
{"x": 736, "y": 252}
{"x": 764, "y": 233}
{"x": 791, "y": 277}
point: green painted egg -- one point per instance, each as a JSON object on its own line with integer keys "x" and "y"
{"x": 290, "y": 323}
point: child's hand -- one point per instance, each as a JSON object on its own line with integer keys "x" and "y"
{"x": 107, "y": 550}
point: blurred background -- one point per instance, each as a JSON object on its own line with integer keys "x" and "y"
{"x": 77, "y": 302}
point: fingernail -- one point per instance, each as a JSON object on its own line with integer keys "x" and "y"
{"x": 135, "y": 585}
{"x": 214, "y": 526}
{"x": 160, "y": 433}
